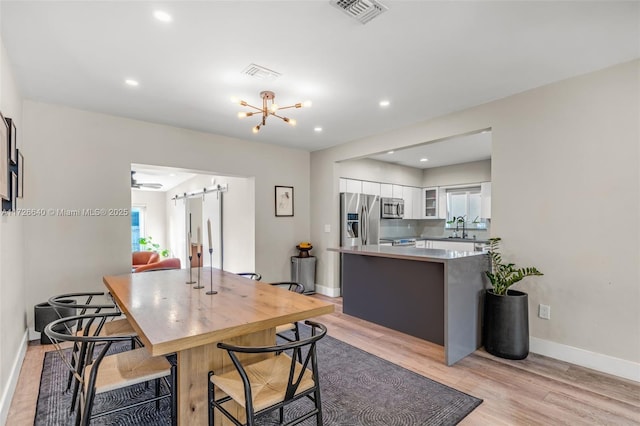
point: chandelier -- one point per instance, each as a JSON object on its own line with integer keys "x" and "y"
{"x": 269, "y": 107}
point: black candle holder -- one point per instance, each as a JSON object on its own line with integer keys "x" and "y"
{"x": 191, "y": 281}
{"x": 211, "y": 291}
{"x": 199, "y": 267}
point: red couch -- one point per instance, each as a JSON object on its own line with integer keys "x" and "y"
{"x": 140, "y": 258}
{"x": 169, "y": 263}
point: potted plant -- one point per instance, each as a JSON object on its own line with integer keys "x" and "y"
{"x": 147, "y": 244}
{"x": 506, "y": 311}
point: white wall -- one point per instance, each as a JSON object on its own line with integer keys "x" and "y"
{"x": 155, "y": 214}
{"x": 379, "y": 171}
{"x": 457, "y": 174}
{"x": 565, "y": 170}
{"x": 81, "y": 159}
{"x": 13, "y": 286}
{"x": 238, "y": 220}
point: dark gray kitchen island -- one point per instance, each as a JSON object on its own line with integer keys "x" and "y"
{"x": 435, "y": 295}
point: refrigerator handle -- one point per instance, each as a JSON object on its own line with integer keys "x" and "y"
{"x": 366, "y": 225}
{"x": 362, "y": 220}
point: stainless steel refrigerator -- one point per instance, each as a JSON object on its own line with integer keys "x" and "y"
{"x": 359, "y": 219}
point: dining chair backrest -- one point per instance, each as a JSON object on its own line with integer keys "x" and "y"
{"x": 270, "y": 384}
{"x": 252, "y": 275}
{"x": 290, "y": 285}
{"x": 95, "y": 348}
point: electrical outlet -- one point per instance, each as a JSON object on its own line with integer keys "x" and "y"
{"x": 544, "y": 311}
{"x": 327, "y": 228}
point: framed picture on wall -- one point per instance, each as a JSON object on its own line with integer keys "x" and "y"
{"x": 4, "y": 159}
{"x": 284, "y": 201}
{"x": 20, "y": 174}
{"x": 13, "y": 147}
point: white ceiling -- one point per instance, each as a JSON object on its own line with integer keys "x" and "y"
{"x": 445, "y": 152}
{"x": 428, "y": 58}
{"x": 168, "y": 177}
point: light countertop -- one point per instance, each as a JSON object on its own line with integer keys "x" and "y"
{"x": 407, "y": 252}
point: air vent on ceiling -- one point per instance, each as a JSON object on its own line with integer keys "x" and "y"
{"x": 261, "y": 72}
{"x": 361, "y": 10}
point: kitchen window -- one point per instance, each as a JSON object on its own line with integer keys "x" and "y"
{"x": 465, "y": 202}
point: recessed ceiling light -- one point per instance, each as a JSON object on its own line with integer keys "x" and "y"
{"x": 131, "y": 82}
{"x": 172, "y": 174}
{"x": 384, "y": 103}
{"x": 163, "y": 16}
{"x": 390, "y": 152}
{"x": 317, "y": 129}
{"x": 424, "y": 159}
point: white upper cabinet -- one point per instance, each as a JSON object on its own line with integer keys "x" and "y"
{"x": 370, "y": 188}
{"x": 354, "y": 186}
{"x": 397, "y": 191}
{"x": 386, "y": 190}
{"x": 408, "y": 203}
{"x": 485, "y": 200}
{"x": 416, "y": 209}
{"x": 430, "y": 202}
{"x": 343, "y": 185}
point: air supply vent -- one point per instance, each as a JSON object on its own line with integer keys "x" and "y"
{"x": 261, "y": 72}
{"x": 361, "y": 10}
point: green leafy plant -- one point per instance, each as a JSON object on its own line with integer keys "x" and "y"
{"x": 146, "y": 243}
{"x": 504, "y": 275}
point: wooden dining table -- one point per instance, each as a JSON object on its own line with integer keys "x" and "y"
{"x": 171, "y": 316}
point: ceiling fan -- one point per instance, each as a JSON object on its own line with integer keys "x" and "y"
{"x": 136, "y": 184}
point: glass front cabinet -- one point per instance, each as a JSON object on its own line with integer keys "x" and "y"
{"x": 430, "y": 203}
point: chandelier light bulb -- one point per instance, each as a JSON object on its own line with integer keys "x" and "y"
{"x": 269, "y": 107}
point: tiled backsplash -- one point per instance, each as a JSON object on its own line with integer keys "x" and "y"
{"x": 402, "y": 228}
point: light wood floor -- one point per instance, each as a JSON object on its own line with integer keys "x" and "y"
{"x": 534, "y": 391}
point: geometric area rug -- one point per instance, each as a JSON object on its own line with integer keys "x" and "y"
{"x": 357, "y": 389}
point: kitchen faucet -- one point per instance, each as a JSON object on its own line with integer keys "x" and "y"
{"x": 459, "y": 220}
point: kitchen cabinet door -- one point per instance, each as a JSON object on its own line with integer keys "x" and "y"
{"x": 421, "y": 244}
{"x": 416, "y": 195}
{"x": 430, "y": 202}
{"x": 354, "y": 186}
{"x": 370, "y": 188}
{"x": 386, "y": 190}
{"x": 398, "y": 191}
{"x": 407, "y": 196}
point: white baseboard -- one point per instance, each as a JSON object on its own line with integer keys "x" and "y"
{"x": 10, "y": 386}
{"x": 328, "y": 291}
{"x": 603, "y": 363}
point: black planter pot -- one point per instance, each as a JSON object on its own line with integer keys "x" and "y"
{"x": 506, "y": 324}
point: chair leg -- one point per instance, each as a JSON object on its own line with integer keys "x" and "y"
{"x": 74, "y": 350}
{"x": 210, "y": 396}
{"x": 318, "y": 403}
{"x": 157, "y": 394}
{"x": 86, "y": 414}
{"x": 281, "y": 411}
{"x": 174, "y": 395}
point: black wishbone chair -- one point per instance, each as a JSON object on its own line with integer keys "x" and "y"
{"x": 270, "y": 384}
{"x": 103, "y": 372}
{"x": 252, "y": 275}
{"x": 90, "y": 303}
{"x": 281, "y": 330}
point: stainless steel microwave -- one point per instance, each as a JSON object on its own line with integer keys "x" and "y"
{"x": 392, "y": 208}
